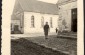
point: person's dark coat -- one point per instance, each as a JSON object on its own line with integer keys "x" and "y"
{"x": 46, "y": 29}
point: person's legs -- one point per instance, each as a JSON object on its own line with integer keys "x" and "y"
{"x": 56, "y": 32}
{"x": 46, "y": 37}
{"x": 46, "y": 34}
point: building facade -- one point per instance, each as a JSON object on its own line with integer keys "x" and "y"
{"x": 29, "y": 16}
{"x": 34, "y": 22}
{"x": 67, "y": 15}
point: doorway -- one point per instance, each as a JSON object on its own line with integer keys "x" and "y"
{"x": 74, "y": 20}
{"x": 16, "y": 28}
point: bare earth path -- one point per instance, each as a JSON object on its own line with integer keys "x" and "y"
{"x": 25, "y": 47}
{"x": 66, "y": 45}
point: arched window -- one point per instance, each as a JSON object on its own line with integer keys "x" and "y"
{"x": 32, "y": 21}
{"x": 51, "y": 23}
{"x": 42, "y": 21}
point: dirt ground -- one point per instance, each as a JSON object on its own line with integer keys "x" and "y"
{"x": 25, "y": 47}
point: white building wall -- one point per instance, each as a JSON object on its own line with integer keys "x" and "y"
{"x": 65, "y": 13}
{"x": 37, "y": 18}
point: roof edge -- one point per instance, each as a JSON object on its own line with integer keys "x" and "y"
{"x": 41, "y": 13}
{"x": 65, "y": 2}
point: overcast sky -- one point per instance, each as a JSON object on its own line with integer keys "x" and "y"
{"x": 49, "y": 1}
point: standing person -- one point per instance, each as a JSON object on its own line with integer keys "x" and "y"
{"x": 46, "y": 29}
{"x": 56, "y": 30}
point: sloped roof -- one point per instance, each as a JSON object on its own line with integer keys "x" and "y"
{"x": 38, "y": 6}
{"x": 64, "y": 1}
{"x": 13, "y": 17}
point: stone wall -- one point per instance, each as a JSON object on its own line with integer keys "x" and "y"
{"x": 65, "y": 15}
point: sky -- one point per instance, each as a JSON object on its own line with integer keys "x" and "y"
{"x": 49, "y": 1}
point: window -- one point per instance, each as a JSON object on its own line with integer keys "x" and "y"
{"x": 42, "y": 21}
{"x": 32, "y": 21}
{"x": 51, "y": 24}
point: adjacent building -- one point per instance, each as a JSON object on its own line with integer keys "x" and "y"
{"x": 67, "y": 10}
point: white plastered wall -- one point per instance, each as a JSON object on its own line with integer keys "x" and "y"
{"x": 37, "y": 21}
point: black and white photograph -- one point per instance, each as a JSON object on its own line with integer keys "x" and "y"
{"x": 43, "y": 27}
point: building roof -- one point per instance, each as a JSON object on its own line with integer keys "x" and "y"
{"x": 38, "y": 6}
{"x": 65, "y": 1}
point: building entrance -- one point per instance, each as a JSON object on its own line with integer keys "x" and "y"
{"x": 16, "y": 28}
{"x": 74, "y": 20}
